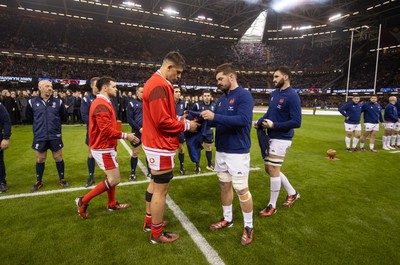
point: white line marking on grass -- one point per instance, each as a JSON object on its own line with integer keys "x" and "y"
{"x": 210, "y": 253}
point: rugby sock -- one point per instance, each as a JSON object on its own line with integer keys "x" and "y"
{"x": 147, "y": 219}
{"x": 275, "y": 188}
{"x": 393, "y": 140}
{"x": 286, "y": 184}
{"x": 347, "y": 141}
{"x": 91, "y": 165}
{"x": 384, "y": 141}
{"x": 248, "y": 219}
{"x": 111, "y": 196}
{"x": 388, "y": 140}
{"x": 60, "y": 169}
{"x": 355, "y": 142}
{"x": 99, "y": 189}
{"x": 398, "y": 140}
{"x": 134, "y": 161}
{"x": 209, "y": 157}
{"x": 156, "y": 229}
{"x": 362, "y": 145}
{"x": 227, "y": 210}
{"x": 181, "y": 159}
{"x": 39, "y": 171}
{"x": 371, "y": 146}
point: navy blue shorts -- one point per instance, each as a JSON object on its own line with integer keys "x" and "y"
{"x": 182, "y": 137}
{"x": 209, "y": 139}
{"x": 53, "y": 145}
{"x": 138, "y": 135}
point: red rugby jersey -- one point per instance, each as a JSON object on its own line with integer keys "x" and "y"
{"x": 160, "y": 125}
{"x": 102, "y": 124}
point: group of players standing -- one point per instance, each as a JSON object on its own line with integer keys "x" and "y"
{"x": 372, "y": 110}
{"x": 158, "y": 130}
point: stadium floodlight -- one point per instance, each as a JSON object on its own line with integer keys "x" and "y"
{"x": 201, "y": 17}
{"x": 286, "y": 27}
{"x": 129, "y": 3}
{"x": 305, "y": 27}
{"x": 335, "y": 17}
{"x": 170, "y": 11}
{"x": 286, "y": 5}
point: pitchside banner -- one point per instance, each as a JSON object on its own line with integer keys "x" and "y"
{"x": 390, "y": 36}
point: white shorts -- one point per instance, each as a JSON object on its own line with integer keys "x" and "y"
{"x": 233, "y": 168}
{"x": 388, "y": 125}
{"x": 369, "y": 127}
{"x": 159, "y": 159}
{"x": 352, "y": 127}
{"x": 105, "y": 159}
{"x": 279, "y": 147}
{"x": 397, "y": 126}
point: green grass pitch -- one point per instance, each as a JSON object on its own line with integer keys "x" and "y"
{"x": 347, "y": 214}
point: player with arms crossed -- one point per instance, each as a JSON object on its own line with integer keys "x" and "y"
{"x": 160, "y": 139}
{"x": 103, "y": 137}
{"x": 232, "y": 119}
{"x": 282, "y": 117}
{"x": 180, "y": 110}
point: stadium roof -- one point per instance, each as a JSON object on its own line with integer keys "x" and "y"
{"x": 225, "y": 19}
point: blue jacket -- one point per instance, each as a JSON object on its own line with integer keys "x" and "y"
{"x": 352, "y": 112}
{"x": 285, "y": 111}
{"x": 200, "y": 106}
{"x": 372, "y": 112}
{"x": 134, "y": 114}
{"x": 5, "y": 123}
{"x": 398, "y": 107}
{"x": 232, "y": 120}
{"x": 391, "y": 114}
{"x": 180, "y": 107}
{"x": 85, "y": 107}
{"x": 46, "y": 117}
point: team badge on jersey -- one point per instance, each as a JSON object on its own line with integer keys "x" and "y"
{"x": 232, "y": 101}
{"x": 281, "y": 101}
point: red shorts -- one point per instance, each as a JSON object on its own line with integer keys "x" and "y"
{"x": 106, "y": 159}
{"x": 159, "y": 159}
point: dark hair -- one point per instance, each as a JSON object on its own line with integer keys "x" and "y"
{"x": 206, "y": 91}
{"x": 226, "y": 68}
{"x": 104, "y": 80}
{"x": 284, "y": 70}
{"x": 175, "y": 58}
{"x": 94, "y": 79}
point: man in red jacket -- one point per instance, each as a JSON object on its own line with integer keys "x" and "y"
{"x": 103, "y": 137}
{"x": 160, "y": 140}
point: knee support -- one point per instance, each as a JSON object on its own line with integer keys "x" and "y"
{"x": 276, "y": 162}
{"x": 244, "y": 197}
{"x": 163, "y": 178}
{"x": 148, "y": 196}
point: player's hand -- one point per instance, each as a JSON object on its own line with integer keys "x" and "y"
{"x": 193, "y": 126}
{"x": 4, "y": 144}
{"x": 132, "y": 138}
{"x": 255, "y": 126}
{"x": 207, "y": 115}
{"x": 267, "y": 123}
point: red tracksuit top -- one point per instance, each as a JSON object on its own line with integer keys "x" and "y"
{"x": 103, "y": 134}
{"x": 160, "y": 125}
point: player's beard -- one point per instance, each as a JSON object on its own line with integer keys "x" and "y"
{"x": 280, "y": 83}
{"x": 225, "y": 88}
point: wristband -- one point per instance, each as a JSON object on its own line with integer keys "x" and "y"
{"x": 124, "y": 136}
